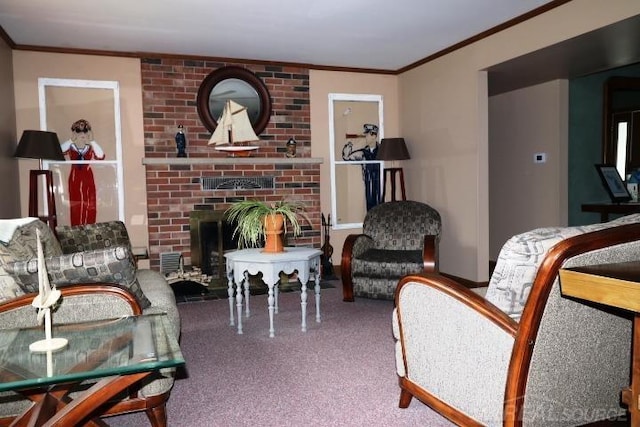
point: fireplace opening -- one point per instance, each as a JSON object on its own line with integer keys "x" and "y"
{"x": 211, "y": 236}
{"x": 210, "y": 246}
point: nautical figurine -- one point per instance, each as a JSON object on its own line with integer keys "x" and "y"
{"x": 181, "y": 142}
{"x": 291, "y": 147}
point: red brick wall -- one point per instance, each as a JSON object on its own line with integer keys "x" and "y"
{"x": 170, "y": 88}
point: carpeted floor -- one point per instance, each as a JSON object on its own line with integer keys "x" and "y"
{"x": 341, "y": 372}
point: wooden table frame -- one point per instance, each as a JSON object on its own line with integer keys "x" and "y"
{"x": 615, "y": 285}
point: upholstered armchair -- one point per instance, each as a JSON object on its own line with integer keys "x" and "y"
{"x": 522, "y": 355}
{"x": 398, "y": 238}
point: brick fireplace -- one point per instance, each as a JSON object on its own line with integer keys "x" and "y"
{"x": 175, "y": 189}
{"x": 178, "y": 186}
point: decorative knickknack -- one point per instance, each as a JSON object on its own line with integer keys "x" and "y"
{"x": 181, "y": 142}
{"x": 234, "y": 131}
{"x": 257, "y": 221}
{"x": 47, "y": 297}
{"x": 273, "y": 230}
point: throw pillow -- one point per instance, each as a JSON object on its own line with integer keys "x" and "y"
{"x": 113, "y": 265}
{"x": 79, "y": 238}
{"x": 521, "y": 256}
{"x": 22, "y": 245}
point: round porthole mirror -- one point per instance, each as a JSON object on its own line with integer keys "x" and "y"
{"x": 239, "y": 85}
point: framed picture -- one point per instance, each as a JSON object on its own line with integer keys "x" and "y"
{"x": 88, "y": 184}
{"x": 613, "y": 183}
{"x": 355, "y": 129}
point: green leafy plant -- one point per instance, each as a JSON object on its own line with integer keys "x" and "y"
{"x": 249, "y": 216}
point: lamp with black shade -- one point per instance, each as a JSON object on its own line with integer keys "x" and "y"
{"x": 393, "y": 149}
{"x": 41, "y": 145}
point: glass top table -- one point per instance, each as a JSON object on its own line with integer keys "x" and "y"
{"x": 121, "y": 351}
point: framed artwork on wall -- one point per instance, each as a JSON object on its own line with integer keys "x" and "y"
{"x": 85, "y": 114}
{"x": 355, "y": 130}
{"x": 613, "y": 183}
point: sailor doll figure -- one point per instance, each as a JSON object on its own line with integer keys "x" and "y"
{"x": 291, "y": 147}
{"x": 181, "y": 142}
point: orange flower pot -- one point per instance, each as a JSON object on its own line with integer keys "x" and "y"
{"x": 273, "y": 229}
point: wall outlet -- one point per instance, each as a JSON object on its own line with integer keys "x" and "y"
{"x": 540, "y": 158}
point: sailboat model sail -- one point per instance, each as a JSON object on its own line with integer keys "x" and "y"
{"x": 234, "y": 128}
{"x": 47, "y": 296}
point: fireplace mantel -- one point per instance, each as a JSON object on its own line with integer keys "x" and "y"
{"x": 232, "y": 160}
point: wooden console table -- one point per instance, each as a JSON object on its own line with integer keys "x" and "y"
{"x": 616, "y": 285}
{"x": 606, "y": 208}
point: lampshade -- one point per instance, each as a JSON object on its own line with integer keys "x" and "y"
{"x": 393, "y": 149}
{"x": 39, "y": 144}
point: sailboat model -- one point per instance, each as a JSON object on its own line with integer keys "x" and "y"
{"x": 234, "y": 129}
{"x": 47, "y": 297}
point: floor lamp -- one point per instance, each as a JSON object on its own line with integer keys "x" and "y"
{"x": 393, "y": 149}
{"x": 41, "y": 145}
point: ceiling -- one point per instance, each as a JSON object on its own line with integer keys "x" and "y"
{"x": 364, "y": 34}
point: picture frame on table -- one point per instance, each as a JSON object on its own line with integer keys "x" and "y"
{"x": 613, "y": 183}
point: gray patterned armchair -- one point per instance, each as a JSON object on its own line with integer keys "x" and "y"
{"x": 523, "y": 355}
{"x": 398, "y": 238}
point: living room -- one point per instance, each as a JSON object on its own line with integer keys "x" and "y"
{"x": 441, "y": 107}
{"x": 449, "y": 151}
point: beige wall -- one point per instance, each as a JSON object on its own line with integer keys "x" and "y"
{"x": 440, "y": 108}
{"x": 29, "y": 66}
{"x": 322, "y": 83}
{"x": 444, "y": 112}
{"x": 524, "y": 195}
{"x": 10, "y": 205}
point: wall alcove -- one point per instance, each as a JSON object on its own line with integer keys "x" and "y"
{"x": 621, "y": 123}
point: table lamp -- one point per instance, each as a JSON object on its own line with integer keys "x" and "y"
{"x": 393, "y": 149}
{"x": 41, "y": 145}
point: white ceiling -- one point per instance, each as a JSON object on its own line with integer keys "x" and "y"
{"x": 370, "y": 34}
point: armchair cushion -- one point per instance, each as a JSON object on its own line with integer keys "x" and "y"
{"x": 113, "y": 265}
{"x": 520, "y": 258}
{"x": 384, "y": 263}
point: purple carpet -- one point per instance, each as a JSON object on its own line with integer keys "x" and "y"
{"x": 341, "y": 372}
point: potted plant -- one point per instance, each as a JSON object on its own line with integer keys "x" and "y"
{"x": 256, "y": 220}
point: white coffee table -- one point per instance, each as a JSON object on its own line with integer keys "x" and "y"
{"x": 245, "y": 262}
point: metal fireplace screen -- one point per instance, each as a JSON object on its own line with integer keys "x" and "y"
{"x": 237, "y": 183}
{"x": 211, "y": 236}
